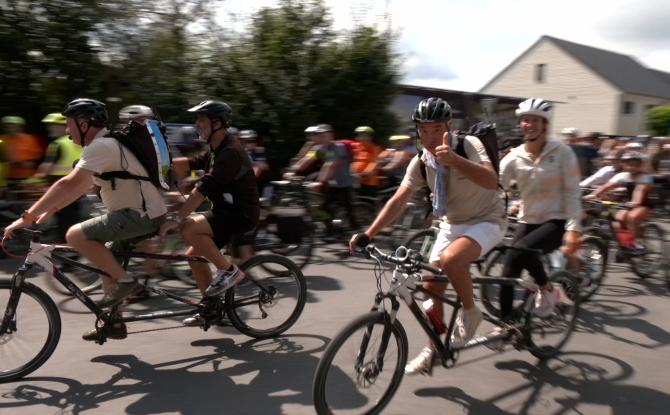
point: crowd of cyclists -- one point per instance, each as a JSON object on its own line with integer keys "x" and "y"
{"x": 550, "y": 178}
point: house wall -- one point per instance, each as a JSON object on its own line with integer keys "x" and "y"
{"x": 634, "y": 123}
{"x": 584, "y": 99}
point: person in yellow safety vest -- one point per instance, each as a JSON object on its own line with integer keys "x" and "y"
{"x": 62, "y": 153}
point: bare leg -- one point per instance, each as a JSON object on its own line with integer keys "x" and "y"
{"x": 98, "y": 254}
{"x": 199, "y": 235}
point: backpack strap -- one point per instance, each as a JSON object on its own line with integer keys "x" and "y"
{"x": 422, "y": 166}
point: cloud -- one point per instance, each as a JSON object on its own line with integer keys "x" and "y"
{"x": 462, "y": 45}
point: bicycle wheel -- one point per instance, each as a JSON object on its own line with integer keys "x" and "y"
{"x": 422, "y": 242}
{"x": 490, "y": 293}
{"x": 646, "y": 264}
{"x": 546, "y": 336}
{"x": 266, "y": 303}
{"x": 592, "y": 256}
{"x": 362, "y": 367}
{"x": 29, "y": 333}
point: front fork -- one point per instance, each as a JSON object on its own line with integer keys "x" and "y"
{"x": 386, "y": 334}
{"x": 8, "y": 324}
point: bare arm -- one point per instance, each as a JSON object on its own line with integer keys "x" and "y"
{"x": 64, "y": 192}
{"x": 481, "y": 174}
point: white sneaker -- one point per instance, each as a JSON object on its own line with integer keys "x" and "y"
{"x": 195, "y": 320}
{"x": 224, "y": 279}
{"x": 545, "y": 301}
{"x": 422, "y": 364}
{"x": 466, "y": 326}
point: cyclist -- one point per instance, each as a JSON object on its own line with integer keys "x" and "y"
{"x": 395, "y": 160}
{"x": 365, "y": 161}
{"x": 229, "y": 184}
{"x": 611, "y": 166}
{"x": 306, "y": 163}
{"x": 126, "y": 219}
{"x": 61, "y": 156}
{"x": 138, "y": 113}
{"x": 334, "y": 179}
{"x": 638, "y": 185}
{"x": 547, "y": 176}
{"x": 467, "y": 202}
{"x": 256, "y": 153}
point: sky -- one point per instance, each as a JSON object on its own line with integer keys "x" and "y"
{"x": 461, "y": 45}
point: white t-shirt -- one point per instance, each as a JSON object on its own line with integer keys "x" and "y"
{"x": 625, "y": 178}
{"x": 104, "y": 154}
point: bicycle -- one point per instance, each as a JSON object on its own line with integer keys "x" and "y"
{"x": 601, "y": 220}
{"x": 592, "y": 257}
{"x": 379, "y": 353}
{"x": 264, "y": 305}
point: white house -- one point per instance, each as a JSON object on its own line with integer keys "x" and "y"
{"x": 595, "y": 89}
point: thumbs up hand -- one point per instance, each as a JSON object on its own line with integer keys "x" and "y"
{"x": 445, "y": 154}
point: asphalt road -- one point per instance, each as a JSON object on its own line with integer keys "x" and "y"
{"x": 617, "y": 362}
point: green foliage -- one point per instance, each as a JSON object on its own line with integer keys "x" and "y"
{"x": 658, "y": 120}
{"x": 287, "y": 70}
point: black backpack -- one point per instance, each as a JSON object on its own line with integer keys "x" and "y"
{"x": 148, "y": 144}
{"x": 486, "y": 133}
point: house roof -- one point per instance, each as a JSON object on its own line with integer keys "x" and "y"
{"x": 622, "y": 71}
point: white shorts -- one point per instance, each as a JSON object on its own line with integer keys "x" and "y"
{"x": 486, "y": 234}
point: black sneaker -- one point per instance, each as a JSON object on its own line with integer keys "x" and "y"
{"x": 123, "y": 290}
{"x": 117, "y": 331}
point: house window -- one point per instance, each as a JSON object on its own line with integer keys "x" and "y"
{"x": 540, "y": 72}
{"x": 648, "y": 107}
{"x": 628, "y": 107}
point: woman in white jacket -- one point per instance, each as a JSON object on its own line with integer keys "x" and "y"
{"x": 547, "y": 175}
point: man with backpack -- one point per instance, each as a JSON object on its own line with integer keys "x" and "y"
{"x": 466, "y": 200}
{"x": 229, "y": 184}
{"x": 135, "y": 207}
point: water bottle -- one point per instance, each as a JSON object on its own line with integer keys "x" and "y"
{"x": 429, "y": 307}
{"x": 557, "y": 260}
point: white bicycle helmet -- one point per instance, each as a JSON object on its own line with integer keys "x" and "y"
{"x": 132, "y": 112}
{"x": 536, "y": 106}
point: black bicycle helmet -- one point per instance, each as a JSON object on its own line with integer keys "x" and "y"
{"x": 432, "y": 109}
{"x": 89, "y": 109}
{"x": 215, "y": 110}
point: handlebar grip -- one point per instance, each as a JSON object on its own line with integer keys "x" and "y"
{"x": 430, "y": 268}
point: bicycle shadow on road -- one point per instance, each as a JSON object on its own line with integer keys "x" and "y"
{"x": 574, "y": 381}
{"x": 258, "y": 376}
{"x": 601, "y": 316}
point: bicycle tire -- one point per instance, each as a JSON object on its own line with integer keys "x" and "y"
{"x": 489, "y": 294}
{"x": 595, "y": 259}
{"x": 566, "y": 317}
{"x": 15, "y": 340}
{"x": 646, "y": 265}
{"x": 245, "y": 300}
{"x": 320, "y": 386}
{"x": 422, "y": 242}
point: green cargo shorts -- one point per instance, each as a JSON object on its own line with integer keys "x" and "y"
{"x": 121, "y": 227}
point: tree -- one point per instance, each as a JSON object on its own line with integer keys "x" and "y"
{"x": 658, "y": 120}
{"x": 291, "y": 70}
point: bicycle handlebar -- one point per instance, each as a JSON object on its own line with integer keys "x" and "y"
{"x": 403, "y": 257}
